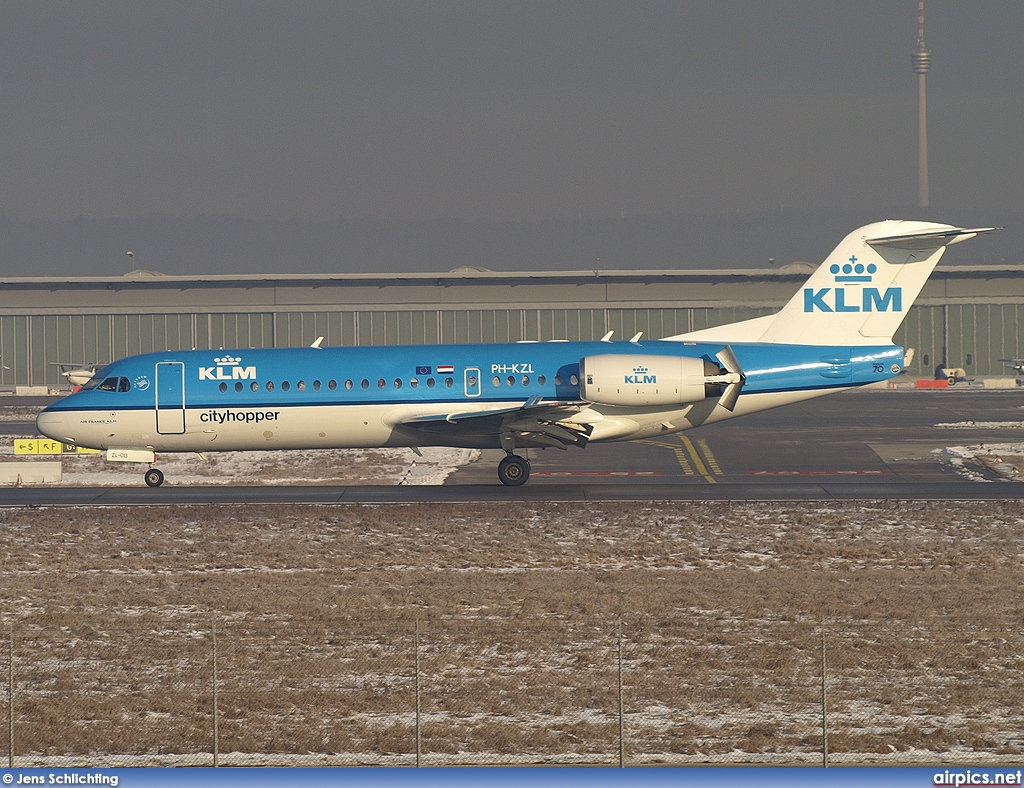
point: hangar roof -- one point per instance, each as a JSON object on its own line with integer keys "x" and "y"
{"x": 797, "y": 270}
{"x": 464, "y": 289}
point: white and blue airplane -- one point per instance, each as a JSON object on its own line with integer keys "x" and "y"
{"x": 834, "y": 334}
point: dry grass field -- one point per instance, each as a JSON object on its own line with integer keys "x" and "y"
{"x": 723, "y": 611}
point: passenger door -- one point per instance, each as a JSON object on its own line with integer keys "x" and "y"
{"x": 170, "y": 398}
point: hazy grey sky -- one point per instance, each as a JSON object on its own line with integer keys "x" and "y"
{"x": 502, "y": 110}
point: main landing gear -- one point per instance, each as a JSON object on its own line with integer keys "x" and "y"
{"x": 514, "y": 470}
{"x": 154, "y": 477}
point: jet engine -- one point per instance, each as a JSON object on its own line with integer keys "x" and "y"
{"x": 638, "y": 380}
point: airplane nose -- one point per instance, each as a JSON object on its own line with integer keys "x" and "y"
{"x": 53, "y": 425}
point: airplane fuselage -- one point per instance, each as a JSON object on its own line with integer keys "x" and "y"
{"x": 446, "y": 395}
{"x": 833, "y": 334}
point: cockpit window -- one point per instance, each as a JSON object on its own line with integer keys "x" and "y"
{"x": 97, "y": 378}
{"x": 114, "y": 384}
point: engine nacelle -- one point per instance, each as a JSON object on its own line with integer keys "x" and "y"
{"x": 648, "y": 380}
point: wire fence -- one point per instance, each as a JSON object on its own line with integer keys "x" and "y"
{"x": 512, "y": 692}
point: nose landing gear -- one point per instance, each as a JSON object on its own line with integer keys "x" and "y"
{"x": 513, "y": 470}
{"x": 154, "y": 477}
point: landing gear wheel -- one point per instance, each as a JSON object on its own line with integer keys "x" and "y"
{"x": 514, "y": 470}
{"x": 154, "y": 477}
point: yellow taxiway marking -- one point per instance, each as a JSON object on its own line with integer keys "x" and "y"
{"x": 712, "y": 462}
{"x": 676, "y": 449}
{"x": 701, "y": 468}
{"x": 688, "y": 456}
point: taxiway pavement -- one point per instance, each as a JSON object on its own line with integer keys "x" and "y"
{"x": 867, "y": 444}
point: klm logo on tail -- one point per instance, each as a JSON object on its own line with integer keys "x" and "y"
{"x": 869, "y": 299}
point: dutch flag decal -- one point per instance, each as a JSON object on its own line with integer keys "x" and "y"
{"x": 445, "y": 369}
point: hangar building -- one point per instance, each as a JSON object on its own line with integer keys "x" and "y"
{"x": 966, "y": 317}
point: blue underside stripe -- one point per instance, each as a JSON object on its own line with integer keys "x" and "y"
{"x": 452, "y": 402}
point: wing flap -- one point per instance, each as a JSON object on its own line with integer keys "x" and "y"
{"x": 479, "y": 413}
{"x": 534, "y": 423}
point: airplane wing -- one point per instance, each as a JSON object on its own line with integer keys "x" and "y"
{"x": 452, "y": 418}
{"x": 531, "y": 424}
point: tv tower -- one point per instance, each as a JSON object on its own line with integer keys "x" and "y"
{"x": 921, "y": 60}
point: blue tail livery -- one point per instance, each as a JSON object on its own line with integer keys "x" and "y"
{"x": 834, "y": 334}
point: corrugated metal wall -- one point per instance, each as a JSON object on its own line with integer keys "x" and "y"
{"x": 978, "y": 335}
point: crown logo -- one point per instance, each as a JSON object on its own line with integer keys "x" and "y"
{"x": 853, "y": 271}
{"x": 639, "y": 370}
{"x": 227, "y": 361}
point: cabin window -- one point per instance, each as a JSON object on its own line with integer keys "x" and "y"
{"x": 510, "y": 380}
{"x": 301, "y": 385}
{"x": 541, "y": 380}
{"x": 285, "y": 385}
{"x": 526, "y": 380}
{"x": 223, "y": 388}
{"x": 574, "y": 380}
{"x": 414, "y": 382}
{"x": 270, "y": 385}
{"x": 365, "y": 384}
{"x": 255, "y": 386}
{"x": 398, "y": 383}
{"x": 449, "y": 382}
{"x": 316, "y": 385}
{"x": 558, "y": 380}
{"x": 238, "y": 386}
{"x": 333, "y": 384}
{"x": 348, "y": 384}
{"x": 496, "y": 380}
{"x": 381, "y": 383}
{"x": 430, "y": 383}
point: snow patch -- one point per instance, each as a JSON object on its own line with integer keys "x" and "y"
{"x": 316, "y": 466}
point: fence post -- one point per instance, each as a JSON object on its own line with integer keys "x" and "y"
{"x": 10, "y": 697}
{"x": 824, "y": 707}
{"x": 216, "y": 742}
{"x": 622, "y": 745}
{"x": 417, "y": 693}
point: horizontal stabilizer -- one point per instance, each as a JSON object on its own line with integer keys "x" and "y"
{"x": 929, "y": 240}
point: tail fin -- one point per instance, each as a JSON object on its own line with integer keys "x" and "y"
{"x": 860, "y": 294}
